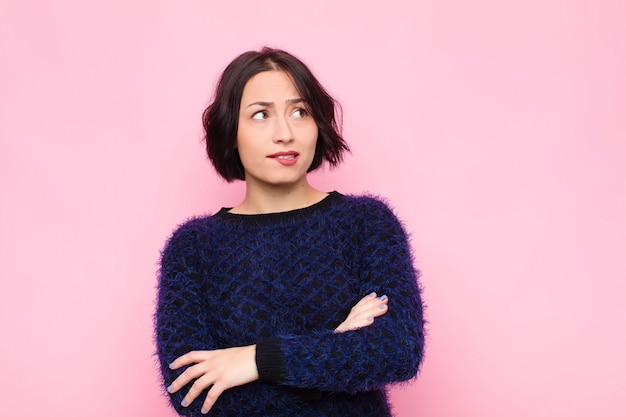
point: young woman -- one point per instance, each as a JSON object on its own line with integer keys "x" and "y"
{"x": 296, "y": 302}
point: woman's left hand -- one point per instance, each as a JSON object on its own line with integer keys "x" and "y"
{"x": 364, "y": 312}
{"x": 219, "y": 369}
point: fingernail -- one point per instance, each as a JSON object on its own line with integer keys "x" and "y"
{"x": 383, "y": 297}
{"x": 170, "y": 389}
{"x": 183, "y": 403}
{"x": 171, "y": 365}
{"x": 204, "y": 410}
{"x": 372, "y": 294}
{"x": 370, "y": 319}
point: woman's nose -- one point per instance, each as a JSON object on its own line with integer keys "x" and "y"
{"x": 283, "y": 132}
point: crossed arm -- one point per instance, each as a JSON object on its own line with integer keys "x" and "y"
{"x": 223, "y": 369}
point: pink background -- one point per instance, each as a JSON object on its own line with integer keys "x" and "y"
{"x": 497, "y": 129}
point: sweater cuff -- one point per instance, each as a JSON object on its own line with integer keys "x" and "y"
{"x": 269, "y": 363}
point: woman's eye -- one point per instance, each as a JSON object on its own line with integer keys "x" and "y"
{"x": 300, "y": 113}
{"x": 260, "y": 115}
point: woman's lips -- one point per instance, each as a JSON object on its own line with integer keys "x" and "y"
{"x": 285, "y": 158}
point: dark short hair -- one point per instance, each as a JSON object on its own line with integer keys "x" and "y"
{"x": 221, "y": 118}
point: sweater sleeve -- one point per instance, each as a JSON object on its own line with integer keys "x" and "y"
{"x": 390, "y": 350}
{"x": 180, "y": 318}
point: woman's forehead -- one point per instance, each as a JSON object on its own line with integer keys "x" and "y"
{"x": 269, "y": 86}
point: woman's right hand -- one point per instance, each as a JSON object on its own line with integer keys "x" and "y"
{"x": 364, "y": 312}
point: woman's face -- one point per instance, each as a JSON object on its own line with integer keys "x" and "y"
{"x": 276, "y": 137}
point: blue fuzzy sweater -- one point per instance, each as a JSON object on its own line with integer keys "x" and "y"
{"x": 284, "y": 282}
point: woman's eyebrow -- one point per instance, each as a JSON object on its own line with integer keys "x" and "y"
{"x": 270, "y": 104}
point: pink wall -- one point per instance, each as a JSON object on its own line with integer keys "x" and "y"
{"x": 497, "y": 129}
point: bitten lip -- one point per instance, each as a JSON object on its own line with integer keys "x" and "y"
{"x": 288, "y": 153}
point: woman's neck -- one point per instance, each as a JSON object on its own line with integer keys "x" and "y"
{"x": 261, "y": 200}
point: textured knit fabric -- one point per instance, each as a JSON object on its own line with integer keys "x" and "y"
{"x": 284, "y": 282}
